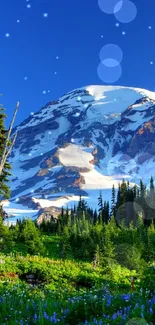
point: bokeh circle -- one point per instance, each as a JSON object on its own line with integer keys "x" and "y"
{"x": 107, "y": 6}
{"x": 109, "y": 74}
{"x": 125, "y": 11}
{"x": 138, "y": 210}
{"x": 111, "y": 51}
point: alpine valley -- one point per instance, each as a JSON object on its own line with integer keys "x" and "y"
{"x": 86, "y": 141}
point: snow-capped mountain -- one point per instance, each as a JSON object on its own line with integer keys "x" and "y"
{"x": 87, "y": 140}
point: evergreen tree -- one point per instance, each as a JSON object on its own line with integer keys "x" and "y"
{"x": 66, "y": 247}
{"x": 121, "y": 203}
{"x": 62, "y": 211}
{"x": 95, "y": 217}
{"x": 151, "y": 202}
{"x": 83, "y": 205}
{"x": 107, "y": 247}
{"x": 151, "y": 184}
{"x": 30, "y": 235}
{"x": 100, "y": 210}
{"x": 4, "y": 189}
{"x": 113, "y": 210}
{"x": 6, "y": 240}
{"x": 80, "y": 207}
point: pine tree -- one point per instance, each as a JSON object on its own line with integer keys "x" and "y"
{"x": 151, "y": 184}
{"x": 95, "y": 217}
{"x": 62, "y": 211}
{"x": 4, "y": 189}
{"x": 100, "y": 210}
{"x": 142, "y": 191}
{"x": 5, "y": 236}
{"x": 113, "y": 210}
{"x": 83, "y": 205}
{"x": 5, "y": 149}
{"x": 121, "y": 203}
{"x": 79, "y": 207}
{"x": 151, "y": 202}
{"x": 107, "y": 247}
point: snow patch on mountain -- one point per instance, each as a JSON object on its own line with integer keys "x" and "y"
{"x": 74, "y": 155}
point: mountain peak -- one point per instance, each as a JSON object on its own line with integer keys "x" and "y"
{"x": 87, "y": 140}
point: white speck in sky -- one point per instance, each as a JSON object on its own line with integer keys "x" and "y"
{"x": 117, "y": 25}
{"x": 55, "y": 72}
{"x": 48, "y": 91}
{"x": 32, "y": 113}
{"x": 57, "y": 57}
{"x": 18, "y": 21}
{"x": 123, "y": 33}
{"x": 150, "y": 27}
{"x": 25, "y": 78}
{"x": 101, "y": 36}
{"x": 7, "y": 34}
{"x": 28, "y": 6}
{"x": 44, "y": 92}
{"x": 45, "y": 15}
{"x": 151, "y": 62}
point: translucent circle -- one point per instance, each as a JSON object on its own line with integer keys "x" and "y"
{"x": 128, "y": 212}
{"x": 125, "y": 11}
{"x": 150, "y": 200}
{"x": 107, "y": 6}
{"x": 109, "y": 74}
{"x": 111, "y": 52}
{"x": 125, "y": 255}
{"x": 151, "y": 203}
{"x": 138, "y": 210}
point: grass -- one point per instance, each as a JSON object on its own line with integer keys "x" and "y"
{"x": 71, "y": 292}
{"x": 52, "y": 245}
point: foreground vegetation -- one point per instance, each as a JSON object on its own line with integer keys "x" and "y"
{"x": 72, "y": 292}
{"x": 58, "y": 285}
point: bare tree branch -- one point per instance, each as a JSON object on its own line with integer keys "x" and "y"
{"x": 5, "y": 152}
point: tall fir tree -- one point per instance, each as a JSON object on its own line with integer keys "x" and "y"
{"x": 100, "y": 210}
{"x": 4, "y": 188}
{"x": 113, "y": 198}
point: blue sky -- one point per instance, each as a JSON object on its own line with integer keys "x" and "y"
{"x": 60, "y": 52}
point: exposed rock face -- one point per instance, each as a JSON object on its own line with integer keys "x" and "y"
{"x": 96, "y": 130}
{"x": 28, "y": 202}
{"x": 48, "y": 214}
